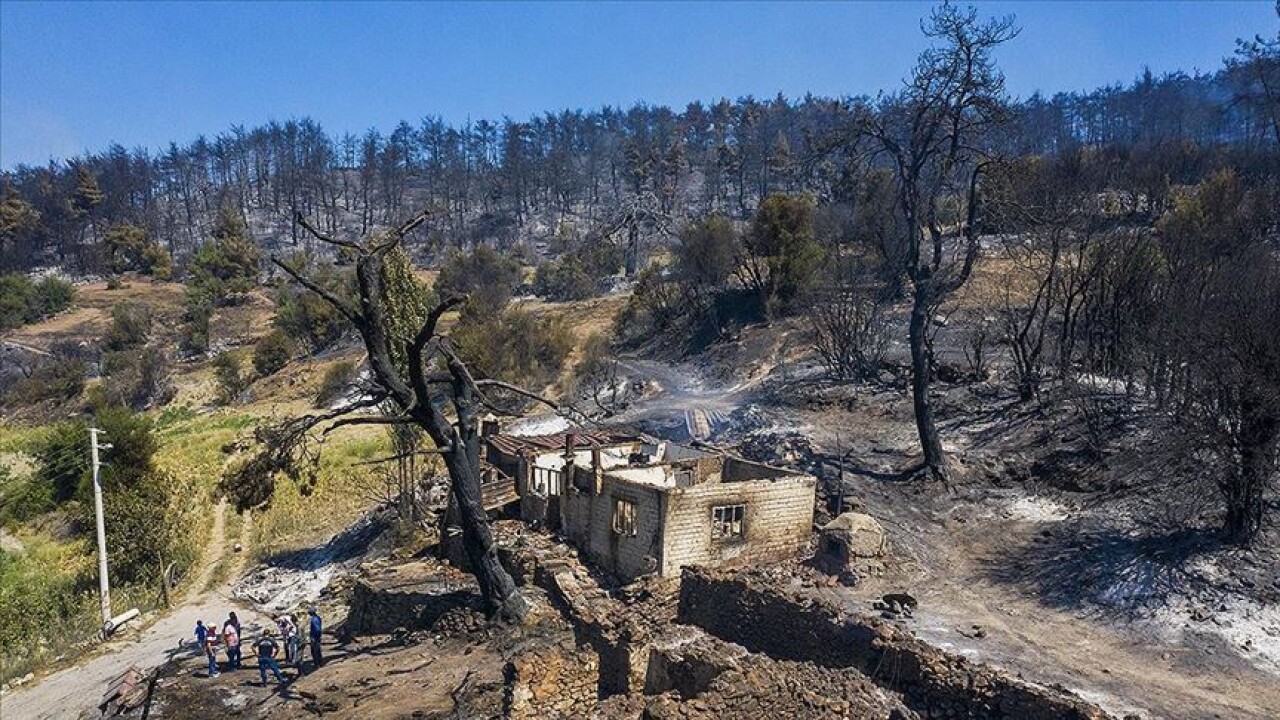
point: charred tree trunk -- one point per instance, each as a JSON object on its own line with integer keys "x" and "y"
{"x": 495, "y": 582}
{"x": 419, "y": 389}
{"x": 930, "y": 442}
{"x": 1246, "y": 492}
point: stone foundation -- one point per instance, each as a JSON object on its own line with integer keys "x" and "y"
{"x": 551, "y": 682}
{"x": 786, "y": 625}
{"x": 411, "y": 596}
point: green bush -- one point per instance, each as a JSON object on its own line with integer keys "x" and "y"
{"x": 231, "y": 379}
{"x": 137, "y": 379}
{"x": 23, "y": 301}
{"x": 129, "y": 248}
{"x": 130, "y": 326}
{"x": 781, "y": 252}
{"x": 308, "y": 318}
{"x": 62, "y": 459}
{"x": 564, "y": 280}
{"x": 335, "y": 383}
{"x": 197, "y": 312}
{"x": 42, "y": 600}
{"x": 23, "y": 498}
{"x": 485, "y": 275}
{"x": 50, "y": 296}
{"x": 229, "y": 264}
{"x": 515, "y": 346}
{"x": 272, "y": 353}
{"x": 15, "y": 300}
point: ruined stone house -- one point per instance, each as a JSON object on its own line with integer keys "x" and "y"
{"x": 637, "y": 506}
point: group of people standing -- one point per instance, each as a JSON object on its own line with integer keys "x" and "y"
{"x": 266, "y": 647}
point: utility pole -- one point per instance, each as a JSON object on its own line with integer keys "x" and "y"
{"x": 839, "y": 477}
{"x": 104, "y": 587}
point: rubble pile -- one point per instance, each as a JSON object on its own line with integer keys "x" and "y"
{"x": 618, "y": 624}
{"x": 782, "y": 448}
{"x": 697, "y": 675}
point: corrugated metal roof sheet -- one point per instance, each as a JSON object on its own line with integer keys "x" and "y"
{"x": 512, "y": 445}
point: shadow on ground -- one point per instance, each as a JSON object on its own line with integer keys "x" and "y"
{"x": 1103, "y": 570}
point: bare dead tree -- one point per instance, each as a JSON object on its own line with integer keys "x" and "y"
{"x": 932, "y": 132}
{"x": 1050, "y": 235}
{"x": 433, "y": 389}
{"x": 850, "y": 334}
{"x": 1026, "y": 316}
{"x": 600, "y": 376}
{"x": 977, "y": 342}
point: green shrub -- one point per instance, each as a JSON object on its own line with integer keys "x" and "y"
{"x": 41, "y": 599}
{"x": 50, "y": 296}
{"x": 128, "y": 248}
{"x": 15, "y": 300}
{"x": 130, "y": 326}
{"x": 62, "y": 459}
{"x": 564, "y": 280}
{"x": 310, "y": 319}
{"x": 335, "y": 383}
{"x": 515, "y": 345}
{"x": 272, "y": 353}
{"x": 231, "y": 380}
{"x": 137, "y": 379}
{"x": 485, "y": 275}
{"x": 23, "y": 498}
{"x": 229, "y": 264}
{"x": 197, "y": 312}
{"x": 23, "y": 301}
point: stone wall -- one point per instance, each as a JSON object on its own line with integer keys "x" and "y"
{"x": 551, "y": 682}
{"x": 777, "y": 622}
{"x": 616, "y": 623}
{"x": 412, "y": 596}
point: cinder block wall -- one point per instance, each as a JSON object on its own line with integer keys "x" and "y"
{"x": 777, "y": 523}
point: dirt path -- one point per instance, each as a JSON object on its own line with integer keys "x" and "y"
{"x": 69, "y": 693}
{"x": 1126, "y": 666}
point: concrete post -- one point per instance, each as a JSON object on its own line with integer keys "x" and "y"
{"x": 104, "y": 585}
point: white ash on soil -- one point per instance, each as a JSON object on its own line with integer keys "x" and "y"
{"x": 1037, "y": 509}
{"x": 292, "y": 579}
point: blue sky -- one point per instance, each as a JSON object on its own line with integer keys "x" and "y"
{"x": 76, "y": 77}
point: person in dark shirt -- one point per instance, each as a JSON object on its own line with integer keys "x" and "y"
{"x": 314, "y": 637}
{"x": 267, "y": 650}
{"x": 203, "y": 633}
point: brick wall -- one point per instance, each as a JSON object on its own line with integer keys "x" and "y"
{"x": 588, "y": 523}
{"x": 778, "y": 521}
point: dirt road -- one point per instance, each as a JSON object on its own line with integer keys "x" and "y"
{"x": 69, "y": 693}
{"x": 1124, "y": 665}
